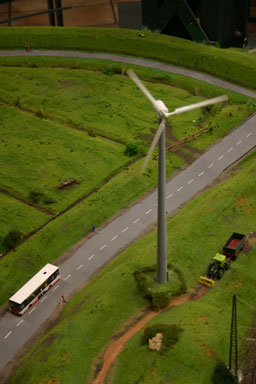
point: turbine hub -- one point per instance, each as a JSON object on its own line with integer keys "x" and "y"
{"x": 160, "y": 108}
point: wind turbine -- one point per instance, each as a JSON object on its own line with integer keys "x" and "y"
{"x": 163, "y": 114}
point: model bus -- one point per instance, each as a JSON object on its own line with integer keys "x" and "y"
{"x": 31, "y": 292}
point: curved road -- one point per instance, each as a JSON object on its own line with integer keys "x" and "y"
{"x": 15, "y": 331}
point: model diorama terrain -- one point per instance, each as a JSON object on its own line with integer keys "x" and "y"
{"x": 66, "y": 128}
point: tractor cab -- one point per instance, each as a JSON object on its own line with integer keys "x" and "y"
{"x": 219, "y": 258}
{"x": 218, "y": 266}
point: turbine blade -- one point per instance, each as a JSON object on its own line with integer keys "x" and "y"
{"x": 154, "y": 143}
{"x": 198, "y": 105}
{"x": 140, "y": 85}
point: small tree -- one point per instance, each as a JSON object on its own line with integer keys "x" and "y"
{"x": 131, "y": 150}
{"x": 171, "y": 334}
{"x": 35, "y": 196}
{"x": 221, "y": 375}
{"x": 11, "y": 239}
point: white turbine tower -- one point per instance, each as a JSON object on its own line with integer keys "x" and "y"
{"x": 159, "y": 138}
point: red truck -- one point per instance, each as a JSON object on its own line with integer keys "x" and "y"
{"x": 234, "y": 245}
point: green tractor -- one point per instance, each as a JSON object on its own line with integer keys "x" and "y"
{"x": 218, "y": 266}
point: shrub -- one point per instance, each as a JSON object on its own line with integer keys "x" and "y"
{"x": 131, "y": 150}
{"x": 171, "y": 334}
{"x": 48, "y": 200}
{"x": 35, "y": 197}
{"x": 183, "y": 286}
{"x": 12, "y": 239}
{"x": 91, "y": 133}
{"x": 160, "y": 300}
{"x": 108, "y": 72}
{"x": 221, "y": 375}
{"x": 141, "y": 281}
{"x": 208, "y": 109}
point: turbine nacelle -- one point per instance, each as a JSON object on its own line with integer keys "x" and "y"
{"x": 160, "y": 108}
{"x": 163, "y": 112}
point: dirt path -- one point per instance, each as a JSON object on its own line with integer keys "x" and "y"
{"x": 113, "y": 349}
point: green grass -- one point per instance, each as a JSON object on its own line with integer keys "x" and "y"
{"x": 203, "y": 342}
{"x": 220, "y": 121}
{"x": 171, "y": 286}
{"x": 39, "y": 155}
{"x": 73, "y": 97}
{"x": 195, "y": 234}
{"x": 17, "y": 216}
{"x": 109, "y": 105}
{"x": 226, "y": 63}
{"x": 62, "y": 95}
{"x": 59, "y": 235}
{"x": 93, "y": 101}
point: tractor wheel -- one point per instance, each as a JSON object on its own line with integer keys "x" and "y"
{"x": 213, "y": 273}
{"x": 220, "y": 273}
{"x": 227, "y": 264}
{"x": 210, "y": 270}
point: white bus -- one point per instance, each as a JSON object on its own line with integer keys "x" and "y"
{"x": 31, "y": 292}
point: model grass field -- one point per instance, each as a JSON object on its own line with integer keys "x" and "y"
{"x": 72, "y": 118}
{"x": 70, "y": 352}
{"x": 63, "y": 124}
{"x": 229, "y": 63}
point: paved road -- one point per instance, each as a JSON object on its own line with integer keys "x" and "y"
{"x": 141, "y": 62}
{"x": 15, "y": 331}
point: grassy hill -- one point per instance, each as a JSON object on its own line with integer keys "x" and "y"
{"x": 225, "y": 63}
{"x": 64, "y": 118}
{"x": 72, "y": 349}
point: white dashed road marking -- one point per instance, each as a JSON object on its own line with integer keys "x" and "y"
{"x": 67, "y": 277}
{"x": 8, "y": 334}
{"x": 221, "y": 157}
{"x": 114, "y": 238}
{"x": 91, "y": 257}
{"x": 239, "y": 142}
{"x": 19, "y": 323}
{"x": 125, "y": 229}
{"x": 211, "y": 165}
{"x": 80, "y": 266}
{"x": 146, "y": 213}
{"x": 54, "y": 289}
{"x": 32, "y": 310}
{"x": 168, "y": 197}
{"x": 103, "y": 246}
{"x": 136, "y": 221}
{"x": 190, "y": 181}
{"x": 230, "y": 149}
{"x": 249, "y": 134}
{"x": 44, "y": 298}
{"x": 179, "y": 189}
{"x": 200, "y": 174}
